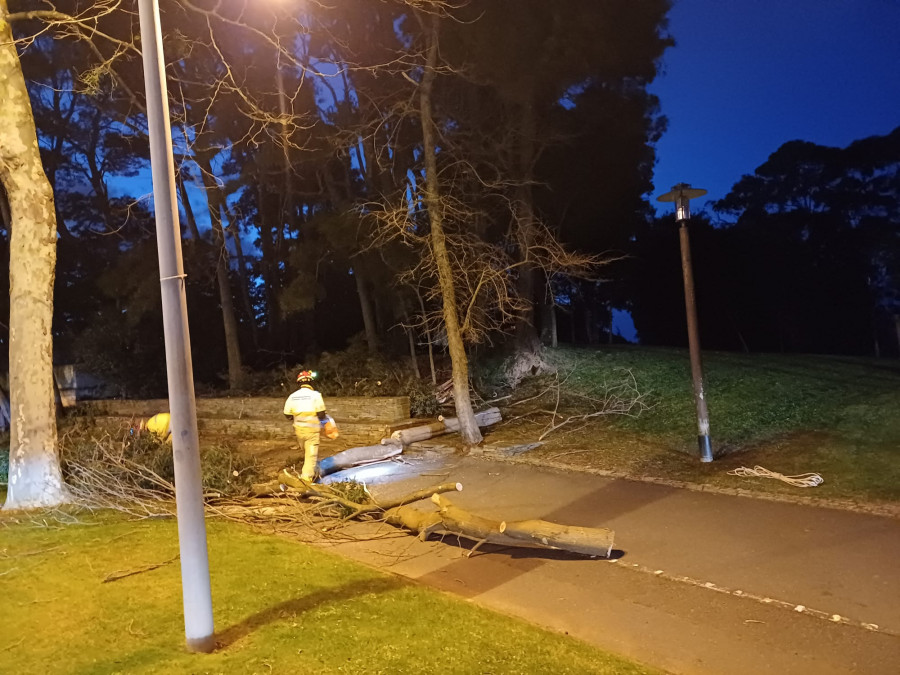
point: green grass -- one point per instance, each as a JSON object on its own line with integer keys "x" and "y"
{"x": 280, "y": 607}
{"x": 792, "y": 414}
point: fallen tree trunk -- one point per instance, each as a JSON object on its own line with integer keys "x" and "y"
{"x": 358, "y": 457}
{"x": 448, "y": 519}
{"x": 423, "y": 523}
{"x": 444, "y": 426}
{"x": 419, "y": 433}
{"x": 586, "y": 540}
{"x": 485, "y": 418}
{"x": 542, "y": 533}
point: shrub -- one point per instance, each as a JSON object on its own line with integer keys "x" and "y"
{"x": 422, "y": 401}
{"x": 353, "y": 491}
{"x": 136, "y": 461}
{"x": 227, "y": 471}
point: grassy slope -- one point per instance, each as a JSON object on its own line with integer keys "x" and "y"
{"x": 280, "y": 607}
{"x": 791, "y": 414}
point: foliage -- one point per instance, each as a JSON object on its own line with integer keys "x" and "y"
{"x": 353, "y": 491}
{"x": 4, "y": 463}
{"x": 277, "y": 602}
{"x": 422, "y": 399}
{"x": 225, "y": 470}
{"x": 293, "y": 162}
{"x": 356, "y": 371}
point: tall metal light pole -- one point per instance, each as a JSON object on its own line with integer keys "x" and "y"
{"x": 681, "y": 194}
{"x": 198, "y": 617}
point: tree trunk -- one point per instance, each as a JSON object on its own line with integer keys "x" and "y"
{"x": 365, "y": 305}
{"x": 596, "y": 542}
{"x": 526, "y": 332}
{"x": 428, "y": 338}
{"x": 554, "y": 331}
{"x": 443, "y": 426}
{"x": 35, "y": 479}
{"x": 232, "y": 343}
{"x": 410, "y": 335}
{"x": 288, "y": 201}
{"x": 242, "y": 274}
{"x": 469, "y": 428}
{"x": 353, "y": 457}
{"x": 188, "y": 209}
{"x": 897, "y": 331}
{"x": 268, "y": 267}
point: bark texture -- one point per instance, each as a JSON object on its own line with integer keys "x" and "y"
{"x": 443, "y": 426}
{"x": 469, "y": 430}
{"x": 215, "y": 200}
{"x": 35, "y": 479}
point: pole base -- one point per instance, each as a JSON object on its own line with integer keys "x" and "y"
{"x": 204, "y": 645}
{"x": 706, "y": 454}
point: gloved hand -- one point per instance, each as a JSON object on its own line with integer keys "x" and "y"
{"x": 330, "y": 428}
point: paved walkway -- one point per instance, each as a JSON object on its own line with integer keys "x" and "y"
{"x": 703, "y": 583}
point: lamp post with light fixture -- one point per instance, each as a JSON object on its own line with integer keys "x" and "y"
{"x": 682, "y": 194}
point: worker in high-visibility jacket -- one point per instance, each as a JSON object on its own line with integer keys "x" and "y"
{"x": 159, "y": 425}
{"x": 307, "y": 410}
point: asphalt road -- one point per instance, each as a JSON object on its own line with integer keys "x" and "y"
{"x": 700, "y": 583}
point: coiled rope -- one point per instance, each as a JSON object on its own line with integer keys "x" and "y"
{"x": 801, "y": 480}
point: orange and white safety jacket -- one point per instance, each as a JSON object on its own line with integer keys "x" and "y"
{"x": 307, "y": 408}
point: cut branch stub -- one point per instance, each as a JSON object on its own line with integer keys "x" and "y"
{"x": 424, "y": 493}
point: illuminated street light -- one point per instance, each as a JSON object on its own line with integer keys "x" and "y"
{"x": 198, "y": 617}
{"x": 682, "y": 194}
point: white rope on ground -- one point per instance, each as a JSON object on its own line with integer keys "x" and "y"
{"x": 801, "y": 480}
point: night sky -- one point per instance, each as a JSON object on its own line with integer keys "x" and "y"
{"x": 748, "y": 75}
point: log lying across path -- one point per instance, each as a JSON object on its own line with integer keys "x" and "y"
{"x": 359, "y": 456}
{"x": 444, "y": 426}
{"x": 450, "y": 519}
{"x": 447, "y": 519}
{"x": 393, "y": 446}
{"x": 585, "y": 540}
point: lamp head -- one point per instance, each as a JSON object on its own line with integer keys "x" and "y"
{"x": 682, "y": 194}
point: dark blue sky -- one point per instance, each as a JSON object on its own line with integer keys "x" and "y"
{"x": 746, "y": 76}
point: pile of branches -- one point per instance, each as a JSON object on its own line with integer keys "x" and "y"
{"x": 136, "y": 474}
{"x": 557, "y": 405}
{"x": 289, "y": 498}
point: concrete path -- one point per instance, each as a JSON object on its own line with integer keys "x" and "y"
{"x": 702, "y": 583}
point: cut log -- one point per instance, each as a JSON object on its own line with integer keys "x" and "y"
{"x": 423, "y": 523}
{"x": 503, "y": 450}
{"x": 455, "y": 520}
{"x": 419, "y": 433}
{"x": 485, "y": 418}
{"x": 358, "y": 457}
{"x": 262, "y": 489}
{"x": 586, "y": 540}
{"x": 444, "y": 426}
{"x": 583, "y": 540}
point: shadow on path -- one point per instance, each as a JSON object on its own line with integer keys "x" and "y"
{"x": 492, "y": 566}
